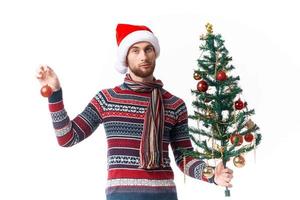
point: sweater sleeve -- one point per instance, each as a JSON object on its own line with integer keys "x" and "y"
{"x": 70, "y": 132}
{"x": 180, "y": 140}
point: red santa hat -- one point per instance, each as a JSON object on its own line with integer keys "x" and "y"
{"x": 127, "y": 35}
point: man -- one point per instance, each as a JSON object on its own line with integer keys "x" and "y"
{"x": 141, "y": 119}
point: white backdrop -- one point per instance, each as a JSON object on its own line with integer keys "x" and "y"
{"x": 77, "y": 39}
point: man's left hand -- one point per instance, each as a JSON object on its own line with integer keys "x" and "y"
{"x": 223, "y": 175}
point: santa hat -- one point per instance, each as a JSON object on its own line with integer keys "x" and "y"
{"x": 127, "y": 35}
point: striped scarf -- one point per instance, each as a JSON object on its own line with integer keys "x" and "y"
{"x": 151, "y": 147}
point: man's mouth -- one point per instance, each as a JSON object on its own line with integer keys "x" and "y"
{"x": 145, "y": 65}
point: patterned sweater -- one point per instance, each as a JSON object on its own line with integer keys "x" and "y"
{"x": 121, "y": 110}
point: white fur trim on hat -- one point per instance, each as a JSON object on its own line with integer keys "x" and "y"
{"x": 128, "y": 41}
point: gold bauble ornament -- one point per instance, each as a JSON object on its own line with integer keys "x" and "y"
{"x": 209, "y": 114}
{"x": 218, "y": 148}
{"x": 239, "y": 161}
{"x": 208, "y": 172}
{"x": 250, "y": 124}
{"x": 197, "y": 76}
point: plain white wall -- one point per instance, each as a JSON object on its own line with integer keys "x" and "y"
{"x": 77, "y": 39}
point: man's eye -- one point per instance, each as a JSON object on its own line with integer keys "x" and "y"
{"x": 149, "y": 50}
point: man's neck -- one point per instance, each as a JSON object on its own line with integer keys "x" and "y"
{"x": 141, "y": 79}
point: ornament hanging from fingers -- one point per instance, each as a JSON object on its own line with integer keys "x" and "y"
{"x": 46, "y": 91}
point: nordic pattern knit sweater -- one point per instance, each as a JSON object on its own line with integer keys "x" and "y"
{"x": 122, "y": 110}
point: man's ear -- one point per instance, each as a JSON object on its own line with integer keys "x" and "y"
{"x": 126, "y": 61}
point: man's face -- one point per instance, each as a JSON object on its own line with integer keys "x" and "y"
{"x": 141, "y": 59}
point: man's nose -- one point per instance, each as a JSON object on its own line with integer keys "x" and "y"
{"x": 142, "y": 55}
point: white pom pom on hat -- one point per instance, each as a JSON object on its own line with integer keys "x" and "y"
{"x": 127, "y": 35}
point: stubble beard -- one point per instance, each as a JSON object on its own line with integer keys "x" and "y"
{"x": 143, "y": 73}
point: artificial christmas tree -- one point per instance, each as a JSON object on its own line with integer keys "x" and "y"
{"x": 224, "y": 128}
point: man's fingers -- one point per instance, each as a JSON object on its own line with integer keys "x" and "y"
{"x": 227, "y": 170}
{"x": 229, "y": 185}
{"x": 223, "y": 175}
{"x": 49, "y": 68}
{"x": 39, "y": 76}
{"x": 225, "y": 184}
{"x": 43, "y": 68}
{"x": 227, "y": 177}
{"x": 39, "y": 73}
{"x": 43, "y": 71}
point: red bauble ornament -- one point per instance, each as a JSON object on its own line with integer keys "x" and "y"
{"x": 239, "y": 105}
{"x": 202, "y": 86}
{"x": 221, "y": 76}
{"x": 235, "y": 137}
{"x": 248, "y": 137}
{"x": 46, "y": 91}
